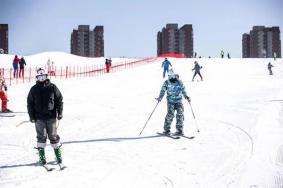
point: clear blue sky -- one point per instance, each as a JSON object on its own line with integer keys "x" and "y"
{"x": 130, "y": 26}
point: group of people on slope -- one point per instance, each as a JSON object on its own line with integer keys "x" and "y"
{"x": 166, "y": 64}
{"x": 17, "y": 62}
{"x": 45, "y": 106}
{"x": 175, "y": 92}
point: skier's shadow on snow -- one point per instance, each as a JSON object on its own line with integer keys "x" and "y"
{"x": 25, "y": 165}
{"x": 18, "y": 165}
{"x": 120, "y": 139}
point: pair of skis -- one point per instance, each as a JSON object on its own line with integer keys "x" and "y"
{"x": 7, "y": 114}
{"x": 10, "y": 114}
{"x": 49, "y": 169}
{"x": 175, "y": 136}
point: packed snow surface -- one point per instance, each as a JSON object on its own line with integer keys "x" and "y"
{"x": 238, "y": 109}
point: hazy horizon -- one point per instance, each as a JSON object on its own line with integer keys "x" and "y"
{"x": 130, "y": 28}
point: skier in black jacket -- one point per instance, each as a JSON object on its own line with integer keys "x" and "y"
{"x": 45, "y": 104}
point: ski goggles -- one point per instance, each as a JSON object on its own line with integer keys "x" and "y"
{"x": 41, "y": 78}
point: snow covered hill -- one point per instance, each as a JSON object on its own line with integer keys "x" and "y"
{"x": 238, "y": 109}
{"x": 59, "y": 59}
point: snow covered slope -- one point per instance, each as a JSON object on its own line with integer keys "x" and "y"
{"x": 238, "y": 109}
{"x": 59, "y": 59}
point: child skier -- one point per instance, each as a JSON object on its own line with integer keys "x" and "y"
{"x": 3, "y": 95}
{"x": 175, "y": 90}
{"x": 45, "y": 104}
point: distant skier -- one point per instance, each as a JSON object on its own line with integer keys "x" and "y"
{"x": 269, "y": 66}
{"x": 108, "y": 64}
{"x": 165, "y": 64}
{"x": 175, "y": 92}
{"x": 197, "y": 70}
{"x": 222, "y": 54}
{"x": 45, "y": 104}
{"x": 228, "y": 56}
{"x": 16, "y": 62}
{"x": 3, "y": 95}
{"x": 22, "y": 67}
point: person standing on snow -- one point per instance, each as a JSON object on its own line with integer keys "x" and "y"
{"x": 3, "y": 95}
{"x": 222, "y": 54}
{"x": 269, "y": 67}
{"x": 22, "y": 67}
{"x": 165, "y": 65}
{"x": 16, "y": 62}
{"x": 175, "y": 92}
{"x": 45, "y": 104}
{"x": 197, "y": 70}
{"x": 108, "y": 65}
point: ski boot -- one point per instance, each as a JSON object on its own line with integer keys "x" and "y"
{"x": 179, "y": 132}
{"x": 166, "y": 132}
{"x": 7, "y": 111}
{"x": 41, "y": 153}
{"x": 58, "y": 154}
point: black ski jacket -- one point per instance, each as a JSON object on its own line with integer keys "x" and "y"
{"x": 44, "y": 101}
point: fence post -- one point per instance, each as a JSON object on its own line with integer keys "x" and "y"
{"x": 29, "y": 79}
{"x": 10, "y": 76}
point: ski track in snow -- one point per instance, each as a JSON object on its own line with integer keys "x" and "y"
{"x": 103, "y": 116}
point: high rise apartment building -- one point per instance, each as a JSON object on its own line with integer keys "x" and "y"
{"x": 86, "y": 42}
{"x": 172, "y": 40}
{"x": 4, "y": 38}
{"x": 261, "y": 42}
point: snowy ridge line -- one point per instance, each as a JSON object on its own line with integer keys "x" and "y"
{"x": 72, "y": 71}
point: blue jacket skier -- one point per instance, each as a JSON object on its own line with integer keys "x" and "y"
{"x": 197, "y": 70}
{"x": 165, "y": 65}
{"x": 175, "y": 91}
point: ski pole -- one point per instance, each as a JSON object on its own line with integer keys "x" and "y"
{"x": 22, "y": 122}
{"x": 57, "y": 125}
{"x": 148, "y": 118}
{"x": 194, "y": 116}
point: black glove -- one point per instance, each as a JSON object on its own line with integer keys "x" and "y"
{"x": 5, "y": 88}
{"x": 60, "y": 116}
{"x": 158, "y": 99}
{"x": 188, "y": 98}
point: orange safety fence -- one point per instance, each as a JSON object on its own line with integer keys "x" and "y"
{"x": 70, "y": 71}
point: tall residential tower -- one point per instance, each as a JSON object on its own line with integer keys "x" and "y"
{"x": 261, "y": 42}
{"x": 86, "y": 42}
{"x": 4, "y": 38}
{"x": 172, "y": 40}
